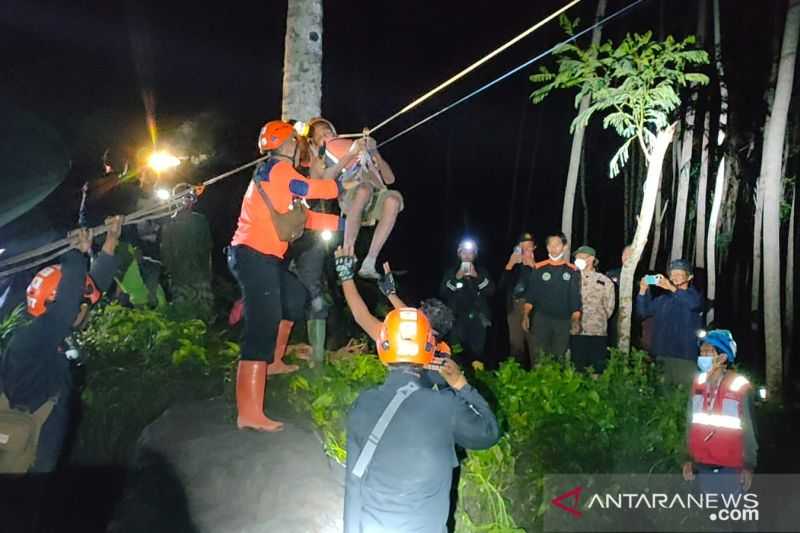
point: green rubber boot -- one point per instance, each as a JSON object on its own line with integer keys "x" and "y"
{"x": 316, "y": 337}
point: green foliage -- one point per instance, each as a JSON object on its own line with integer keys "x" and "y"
{"x": 15, "y": 319}
{"x": 637, "y": 82}
{"x": 555, "y": 420}
{"x": 328, "y": 395}
{"x": 138, "y": 363}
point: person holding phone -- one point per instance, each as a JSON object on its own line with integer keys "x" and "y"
{"x": 677, "y": 317}
{"x": 513, "y": 281}
{"x": 466, "y": 290}
{"x": 399, "y": 470}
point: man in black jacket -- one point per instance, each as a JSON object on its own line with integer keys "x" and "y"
{"x": 513, "y": 282}
{"x": 34, "y": 369}
{"x": 466, "y": 290}
{"x": 401, "y": 436}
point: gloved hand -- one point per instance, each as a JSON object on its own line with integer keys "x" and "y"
{"x": 387, "y": 284}
{"x": 345, "y": 266}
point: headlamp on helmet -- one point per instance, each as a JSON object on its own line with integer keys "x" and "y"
{"x": 468, "y": 245}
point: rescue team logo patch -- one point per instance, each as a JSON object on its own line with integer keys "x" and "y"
{"x": 566, "y": 276}
{"x": 546, "y": 276}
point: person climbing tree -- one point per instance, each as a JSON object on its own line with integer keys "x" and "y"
{"x": 273, "y": 297}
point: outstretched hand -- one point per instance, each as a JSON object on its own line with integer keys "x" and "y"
{"x": 387, "y": 284}
{"x": 345, "y": 264}
{"x": 81, "y": 240}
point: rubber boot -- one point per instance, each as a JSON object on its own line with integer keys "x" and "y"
{"x": 278, "y": 366}
{"x": 316, "y": 336}
{"x": 251, "y": 381}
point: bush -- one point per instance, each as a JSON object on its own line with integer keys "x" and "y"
{"x": 137, "y": 363}
{"x": 555, "y": 420}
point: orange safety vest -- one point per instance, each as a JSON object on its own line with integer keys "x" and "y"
{"x": 716, "y": 436}
{"x": 283, "y": 183}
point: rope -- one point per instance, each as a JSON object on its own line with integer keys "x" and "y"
{"x": 512, "y": 72}
{"x": 180, "y": 200}
{"x": 466, "y": 71}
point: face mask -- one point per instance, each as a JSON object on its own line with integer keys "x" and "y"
{"x": 556, "y": 257}
{"x": 580, "y": 263}
{"x": 705, "y": 362}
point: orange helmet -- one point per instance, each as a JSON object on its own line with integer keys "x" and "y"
{"x": 44, "y": 288}
{"x": 320, "y": 120}
{"x": 406, "y": 337}
{"x": 274, "y": 134}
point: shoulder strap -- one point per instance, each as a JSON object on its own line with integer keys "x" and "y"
{"x": 365, "y": 457}
{"x": 265, "y": 197}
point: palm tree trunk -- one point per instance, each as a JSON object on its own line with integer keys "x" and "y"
{"x": 702, "y": 187}
{"x": 626, "y": 175}
{"x": 302, "y": 60}
{"x": 682, "y": 198}
{"x": 577, "y": 144}
{"x": 771, "y": 164}
{"x": 656, "y": 162}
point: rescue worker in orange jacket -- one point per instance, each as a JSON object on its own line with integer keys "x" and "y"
{"x": 721, "y": 435}
{"x": 273, "y": 297}
{"x": 401, "y": 435}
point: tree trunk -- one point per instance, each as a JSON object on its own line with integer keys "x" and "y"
{"x": 660, "y": 213}
{"x": 656, "y": 161}
{"x": 585, "y": 204}
{"x": 789, "y": 288}
{"x": 683, "y": 183}
{"x": 711, "y": 271}
{"x": 577, "y": 144}
{"x": 626, "y": 176}
{"x": 302, "y": 60}
{"x": 771, "y": 164}
{"x": 702, "y": 186}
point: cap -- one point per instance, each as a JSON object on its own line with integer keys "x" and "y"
{"x": 681, "y": 264}
{"x": 586, "y": 250}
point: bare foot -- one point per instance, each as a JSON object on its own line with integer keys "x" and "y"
{"x": 279, "y": 367}
{"x": 261, "y": 424}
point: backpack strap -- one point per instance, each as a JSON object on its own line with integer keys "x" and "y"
{"x": 368, "y": 451}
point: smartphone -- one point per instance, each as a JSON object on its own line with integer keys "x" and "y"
{"x": 465, "y": 266}
{"x": 517, "y": 250}
{"x": 652, "y": 279}
{"x": 436, "y": 364}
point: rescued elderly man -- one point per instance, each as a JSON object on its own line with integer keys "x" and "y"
{"x": 368, "y": 203}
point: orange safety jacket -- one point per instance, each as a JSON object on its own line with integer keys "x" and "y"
{"x": 716, "y": 431}
{"x": 281, "y": 182}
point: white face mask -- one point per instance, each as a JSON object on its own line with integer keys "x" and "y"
{"x": 580, "y": 263}
{"x": 556, "y": 257}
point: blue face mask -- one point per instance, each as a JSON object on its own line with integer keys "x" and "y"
{"x": 705, "y": 362}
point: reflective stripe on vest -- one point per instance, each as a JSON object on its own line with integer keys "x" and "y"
{"x": 717, "y": 421}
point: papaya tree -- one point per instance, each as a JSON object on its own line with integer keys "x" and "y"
{"x": 635, "y": 87}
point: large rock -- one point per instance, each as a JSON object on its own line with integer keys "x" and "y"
{"x": 196, "y": 472}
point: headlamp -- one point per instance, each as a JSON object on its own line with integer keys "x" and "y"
{"x": 467, "y": 245}
{"x": 301, "y": 128}
{"x": 326, "y": 235}
{"x": 162, "y": 160}
{"x": 701, "y": 334}
{"x": 163, "y": 194}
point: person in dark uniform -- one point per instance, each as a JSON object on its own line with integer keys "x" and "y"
{"x": 513, "y": 281}
{"x": 466, "y": 290}
{"x": 35, "y": 373}
{"x": 554, "y": 296}
{"x": 401, "y": 436}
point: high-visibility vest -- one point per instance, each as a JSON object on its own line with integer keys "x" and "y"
{"x": 716, "y": 436}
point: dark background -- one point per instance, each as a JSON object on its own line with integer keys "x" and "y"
{"x": 87, "y": 67}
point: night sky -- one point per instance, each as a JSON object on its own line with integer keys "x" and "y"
{"x": 84, "y": 67}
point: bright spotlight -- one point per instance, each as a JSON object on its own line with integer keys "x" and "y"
{"x": 762, "y": 393}
{"x": 2, "y": 251}
{"x": 161, "y": 161}
{"x": 326, "y": 235}
{"x": 162, "y": 194}
{"x": 701, "y": 333}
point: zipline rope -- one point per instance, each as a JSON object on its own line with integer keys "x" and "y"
{"x": 511, "y": 72}
{"x": 466, "y": 71}
{"x": 179, "y": 200}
